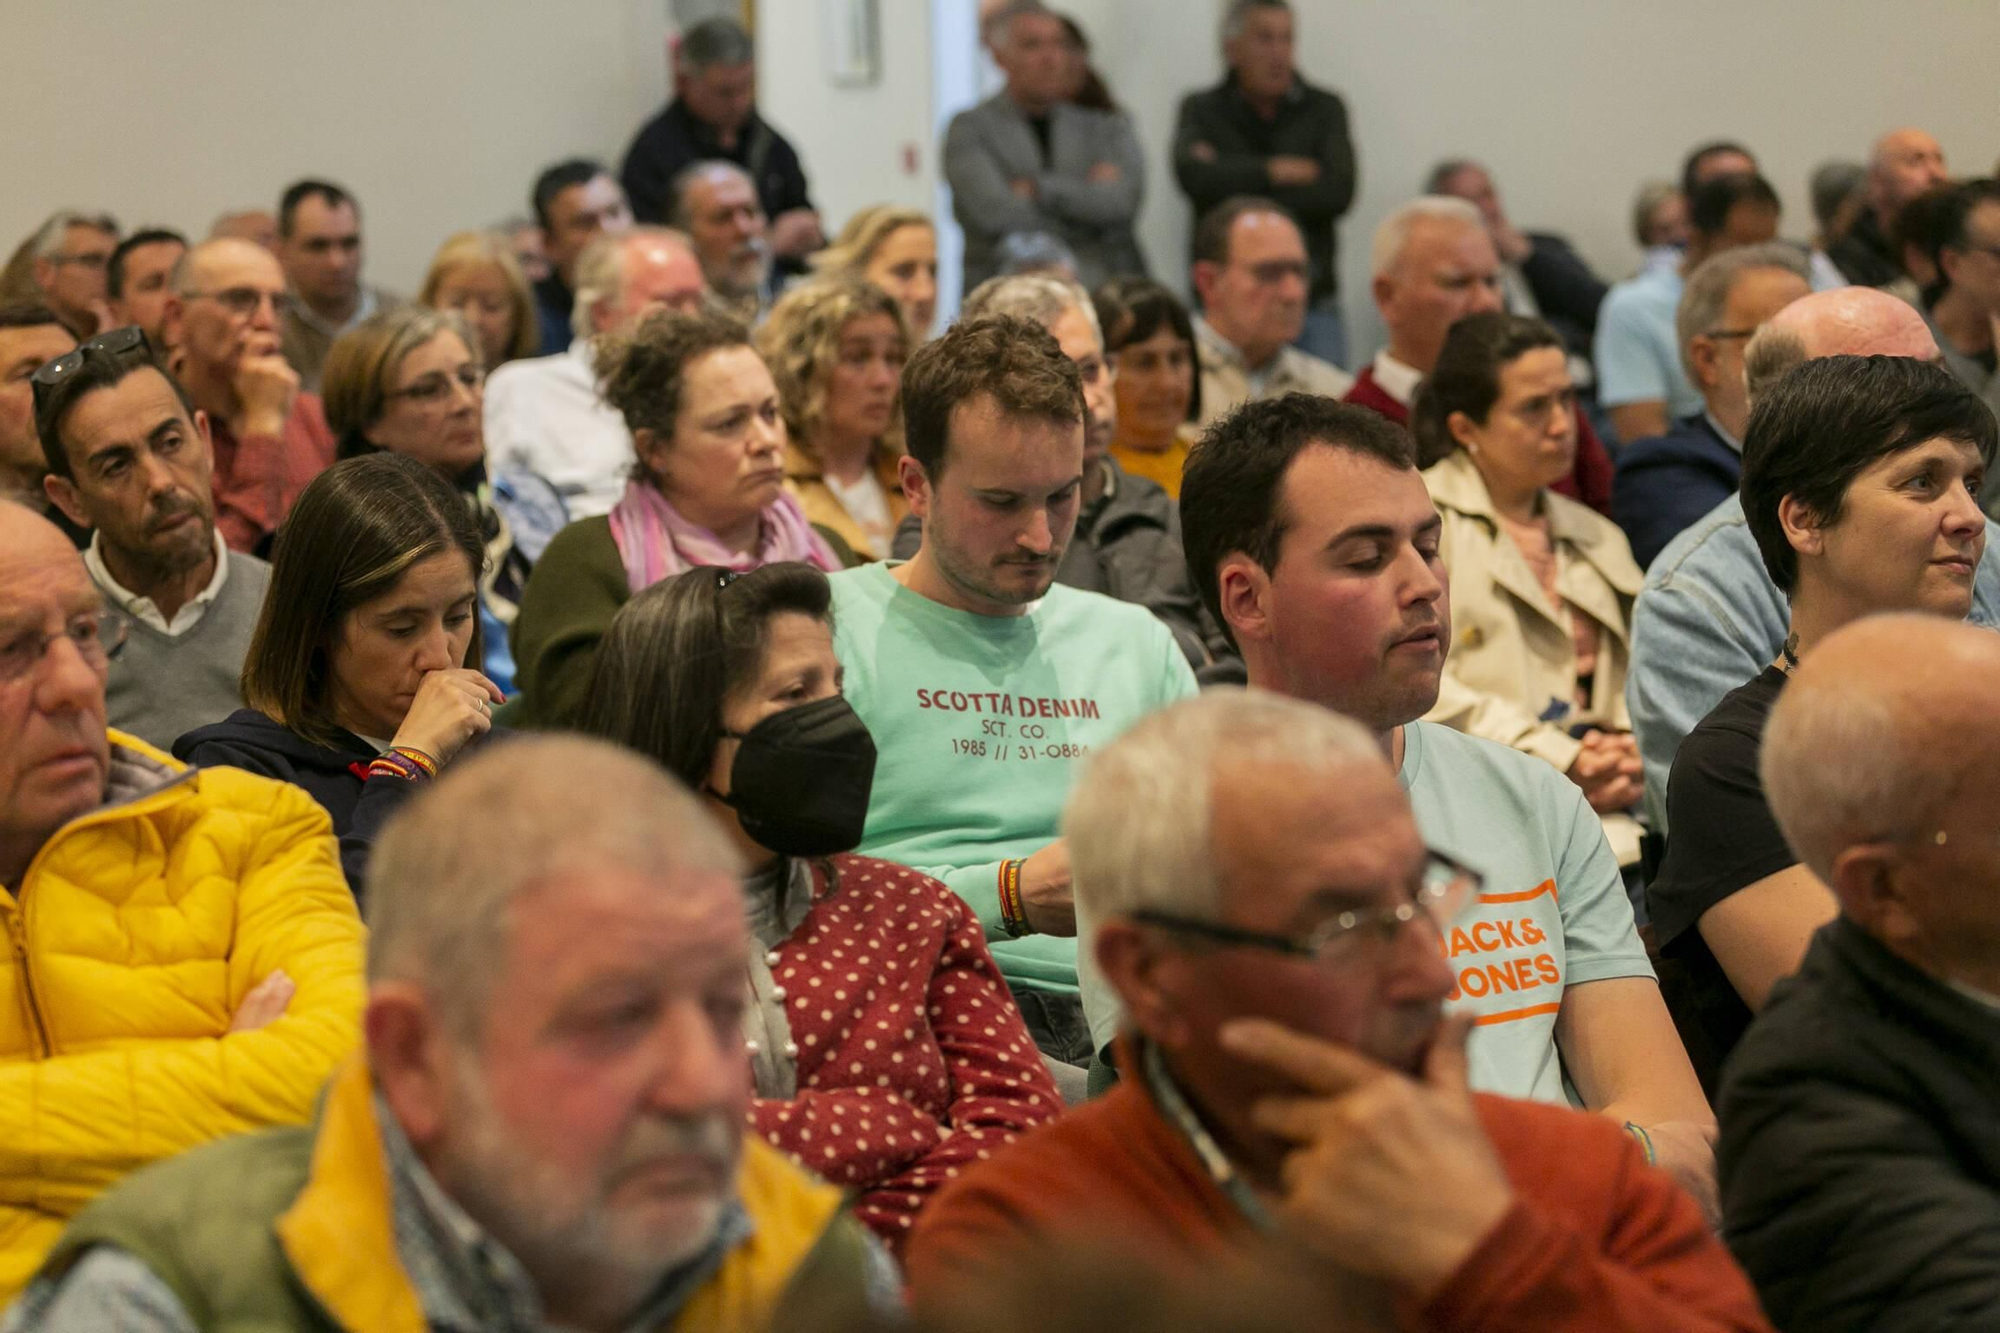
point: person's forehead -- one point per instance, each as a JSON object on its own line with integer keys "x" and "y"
{"x": 1306, "y": 827}
{"x": 88, "y": 236}
{"x": 727, "y": 373}
{"x": 1036, "y": 28}
{"x": 443, "y": 348}
{"x": 315, "y": 214}
{"x": 1447, "y": 243}
{"x": 1261, "y": 235}
{"x": 995, "y": 449}
{"x": 123, "y": 413}
{"x": 39, "y": 569}
{"x": 44, "y": 342}
{"x": 1536, "y": 370}
{"x": 1075, "y": 334}
{"x": 654, "y": 263}
{"x": 599, "y": 192}
{"x": 242, "y": 265}
{"x": 725, "y": 189}
{"x": 611, "y": 919}
{"x": 154, "y": 254}
{"x": 1327, "y": 490}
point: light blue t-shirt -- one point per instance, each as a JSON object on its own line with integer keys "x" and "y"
{"x": 1638, "y": 358}
{"x": 1552, "y": 913}
{"x": 981, "y": 723}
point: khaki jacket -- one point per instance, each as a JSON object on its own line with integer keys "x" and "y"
{"x": 805, "y": 479}
{"x": 1511, "y": 653}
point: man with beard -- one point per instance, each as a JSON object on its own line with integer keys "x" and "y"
{"x": 546, "y": 1127}
{"x": 715, "y": 203}
{"x": 983, "y": 680}
{"x": 1128, "y": 534}
{"x": 1276, "y": 927}
{"x": 130, "y": 458}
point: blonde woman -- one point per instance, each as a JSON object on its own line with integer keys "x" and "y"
{"x": 836, "y": 348}
{"x": 896, "y": 249}
{"x": 476, "y": 275}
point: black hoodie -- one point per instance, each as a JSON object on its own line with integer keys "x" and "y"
{"x": 335, "y": 778}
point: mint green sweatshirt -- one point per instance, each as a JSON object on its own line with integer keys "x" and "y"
{"x": 982, "y": 723}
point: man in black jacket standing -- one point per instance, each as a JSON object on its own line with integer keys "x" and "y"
{"x": 1860, "y": 1150}
{"x": 714, "y": 117}
{"x": 1265, "y": 131}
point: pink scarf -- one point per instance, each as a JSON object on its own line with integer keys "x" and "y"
{"x": 655, "y": 542}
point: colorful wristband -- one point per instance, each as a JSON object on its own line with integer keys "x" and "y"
{"x": 1013, "y": 914}
{"x": 404, "y": 762}
{"x": 1645, "y": 1141}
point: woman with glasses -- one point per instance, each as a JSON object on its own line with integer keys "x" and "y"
{"x": 1541, "y": 587}
{"x": 409, "y": 381}
{"x": 476, "y": 276}
{"x": 886, "y": 1050}
{"x": 362, "y": 679}
{"x": 708, "y": 488}
{"x": 1149, "y": 340}
{"x": 836, "y": 348}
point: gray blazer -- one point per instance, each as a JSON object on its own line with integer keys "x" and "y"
{"x": 991, "y": 145}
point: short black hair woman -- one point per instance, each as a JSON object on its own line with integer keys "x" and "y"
{"x": 361, "y": 678}
{"x": 708, "y": 488}
{"x": 886, "y": 1050}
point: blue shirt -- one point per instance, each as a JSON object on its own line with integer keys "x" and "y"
{"x": 1666, "y": 483}
{"x": 1708, "y": 619}
{"x": 1638, "y": 358}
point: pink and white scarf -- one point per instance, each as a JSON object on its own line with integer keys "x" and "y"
{"x": 655, "y": 542}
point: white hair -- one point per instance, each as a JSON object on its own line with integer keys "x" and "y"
{"x": 452, "y": 863}
{"x": 1393, "y": 232}
{"x": 1139, "y": 823}
{"x": 53, "y": 234}
{"x": 600, "y": 271}
{"x": 1041, "y": 298}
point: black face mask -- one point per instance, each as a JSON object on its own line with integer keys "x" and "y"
{"x": 801, "y": 780}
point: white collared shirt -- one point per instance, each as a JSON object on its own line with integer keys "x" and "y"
{"x": 544, "y": 416}
{"x": 1396, "y": 378}
{"x": 141, "y": 608}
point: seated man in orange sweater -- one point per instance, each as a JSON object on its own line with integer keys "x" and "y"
{"x": 1272, "y": 926}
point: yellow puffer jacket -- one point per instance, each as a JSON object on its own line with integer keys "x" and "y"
{"x": 135, "y": 935}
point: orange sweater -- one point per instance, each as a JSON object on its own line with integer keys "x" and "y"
{"x": 1597, "y": 1241}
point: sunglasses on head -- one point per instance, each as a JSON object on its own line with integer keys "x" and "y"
{"x": 116, "y": 344}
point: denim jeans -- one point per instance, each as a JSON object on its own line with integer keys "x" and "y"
{"x": 1056, "y": 1023}
{"x": 1325, "y": 333}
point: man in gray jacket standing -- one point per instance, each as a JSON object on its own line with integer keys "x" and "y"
{"x": 1025, "y": 160}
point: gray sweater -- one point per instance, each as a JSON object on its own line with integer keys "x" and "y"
{"x": 162, "y": 685}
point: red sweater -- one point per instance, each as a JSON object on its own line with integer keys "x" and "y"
{"x": 1596, "y": 1242}
{"x": 1589, "y": 480}
{"x": 912, "y": 1057}
{"x": 258, "y": 477}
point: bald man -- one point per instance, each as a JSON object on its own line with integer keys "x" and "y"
{"x": 1904, "y": 164}
{"x": 1860, "y": 1163}
{"x": 1708, "y": 617}
{"x": 223, "y": 318}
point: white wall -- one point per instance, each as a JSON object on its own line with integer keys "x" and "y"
{"x": 436, "y": 113}
{"x": 1574, "y": 102}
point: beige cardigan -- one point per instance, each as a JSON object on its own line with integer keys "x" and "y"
{"x": 805, "y": 478}
{"x": 1512, "y": 653}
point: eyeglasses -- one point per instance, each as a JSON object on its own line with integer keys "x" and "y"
{"x": 436, "y": 386}
{"x": 91, "y": 261}
{"x": 725, "y": 577}
{"x": 1726, "y": 335}
{"x": 243, "y": 302}
{"x": 1444, "y": 890}
{"x": 96, "y": 635}
{"x": 129, "y": 341}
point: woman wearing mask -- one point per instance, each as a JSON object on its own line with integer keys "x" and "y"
{"x": 896, "y": 249}
{"x": 475, "y": 276}
{"x": 1541, "y": 587}
{"x": 1149, "y": 341}
{"x": 836, "y": 349}
{"x": 708, "y": 489}
{"x": 361, "y": 678}
{"x": 409, "y": 381}
{"x": 911, "y": 1060}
